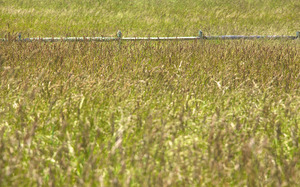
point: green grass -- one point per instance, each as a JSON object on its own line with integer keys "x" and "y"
{"x": 143, "y": 18}
{"x": 173, "y": 113}
{"x": 170, "y": 113}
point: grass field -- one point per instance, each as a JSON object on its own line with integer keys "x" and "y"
{"x": 148, "y": 17}
{"x": 181, "y": 113}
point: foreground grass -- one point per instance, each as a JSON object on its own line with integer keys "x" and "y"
{"x": 150, "y": 114}
{"x": 152, "y": 17}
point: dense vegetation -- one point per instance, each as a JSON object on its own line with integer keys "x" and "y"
{"x": 148, "y": 17}
{"x": 189, "y": 113}
{"x": 150, "y": 113}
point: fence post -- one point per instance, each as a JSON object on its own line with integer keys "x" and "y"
{"x": 298, "y": 35}
{"x": 200, "y": 34}
{"x": 119, "y": 35}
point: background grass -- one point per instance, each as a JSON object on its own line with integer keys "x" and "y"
{"x": 143, "y": 18}
{"x": 190, "y": 113}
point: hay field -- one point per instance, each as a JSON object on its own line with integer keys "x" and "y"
{"x": 180, "y": 113}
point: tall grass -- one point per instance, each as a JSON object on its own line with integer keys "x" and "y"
{"x": 148, "y": 17}
{"x": 150, "y": 113}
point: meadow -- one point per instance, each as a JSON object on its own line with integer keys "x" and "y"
{"x": 164, "y": 113}
{"x": 48, "y": 18}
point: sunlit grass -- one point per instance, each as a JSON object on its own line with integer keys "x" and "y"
{"x": 180, "y": 113}
{"x": 150, "y": 113}
{"x": 143, "y": 18}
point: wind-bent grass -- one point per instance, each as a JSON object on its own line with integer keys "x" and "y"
{"x": 150, "y": 113}
{"x": 148, "y": 17}
{"x": 210, "y": 113}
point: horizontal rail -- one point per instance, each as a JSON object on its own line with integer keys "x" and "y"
{"x": 120, "y": 38}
